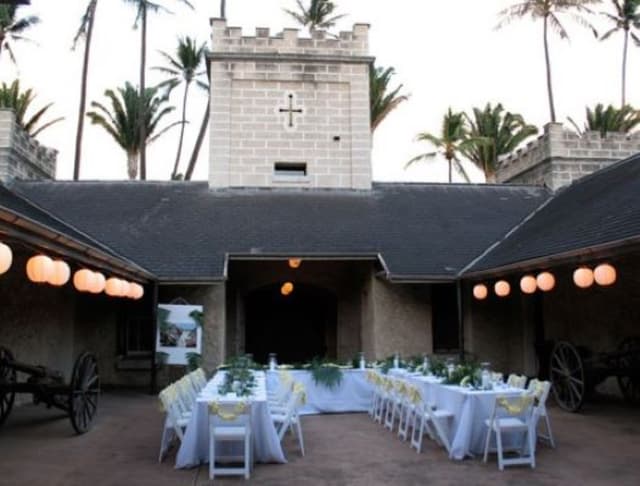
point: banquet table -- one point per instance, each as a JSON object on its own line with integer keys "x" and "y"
{"x": 353, "y": 395}
{"x": 194, "y": 449}
{"x": 470, "y": 408}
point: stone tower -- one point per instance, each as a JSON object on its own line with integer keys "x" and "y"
{"x": 288, "y": 111}
{"x": 560, "y": 156}
{"x": 21, "y": 156}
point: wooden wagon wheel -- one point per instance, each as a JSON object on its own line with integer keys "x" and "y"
{"x": 567, "y": 373}
{"x": 7, "y": 378}
{"x": 84, "y": 392}
{"x": 630, "y": 362}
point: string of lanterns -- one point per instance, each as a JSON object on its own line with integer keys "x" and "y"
{"x": 583, "y": 277}
{"x": 286, "y": 288}
{"x": 6, "y": 258}
{"x": 42, "y": 269}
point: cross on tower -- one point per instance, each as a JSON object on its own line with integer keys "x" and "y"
{"x": 290, "y": 110}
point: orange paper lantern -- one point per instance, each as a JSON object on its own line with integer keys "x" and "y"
{"x": 583, "y": 277}
{"x": 286, "y": 288}
{"x": 60, "y": 273}
{"x": 605, "y": 274}
{"x": 528, "y": 284}
{"x": 6, "y": 258}
{"x": 137, "y": 291}
{"x": 546, "y": 281}
{"x": 113, "y": 287}
{"x": 295, "y": 262}
{"x": 502, "y": 288}
{"x": 97, "y": 284}
{"x": 480, "y": 291}
{"x": 39, "y": 268}
{"x": 83, "y": 280}
{"x": 125, "y": 288}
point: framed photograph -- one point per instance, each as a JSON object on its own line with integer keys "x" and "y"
{"x": 179, "y": 331}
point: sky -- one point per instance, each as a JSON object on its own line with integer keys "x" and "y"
{"x": 446, "y": 53}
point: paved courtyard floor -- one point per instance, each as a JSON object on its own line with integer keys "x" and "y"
{"x": 37, "y": 447}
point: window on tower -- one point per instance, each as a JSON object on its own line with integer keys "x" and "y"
{"x": 290, "y": 169}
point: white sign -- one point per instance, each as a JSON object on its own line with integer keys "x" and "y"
{"x": 179, "y": 331}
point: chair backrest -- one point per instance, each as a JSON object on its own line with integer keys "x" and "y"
{"x": 229, "y": 414}
{"x": 540, "y": 389}
{"x": 170, "y": 403}
{"x": 289, "y": 411}
{"x": 520, "y": 406}
{"x": 516, "y": 381}
{"x": 198, "y": 379}
{"x": 186, "y": 393}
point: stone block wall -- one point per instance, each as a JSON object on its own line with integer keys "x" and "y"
{"x": 560, "y": 156}
{"x": 254, "y": 78}
{"x": 21, "y": 156}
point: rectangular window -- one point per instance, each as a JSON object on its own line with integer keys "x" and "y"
{"x": 290, "y": 169}
{"x": 444, "y": 308}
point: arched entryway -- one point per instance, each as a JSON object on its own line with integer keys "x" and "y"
{"x": 298, "y": 326}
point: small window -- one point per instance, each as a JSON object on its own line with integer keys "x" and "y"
{"x": 290, "y": 169}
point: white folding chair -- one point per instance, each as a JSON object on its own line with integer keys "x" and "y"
{"x": 394, "y": 402}
{"x": 175, "y": 421}
{"x": 198, "y": 379}
{"x": 288, "y": 418}
{"x": 541, "y": 389}
{"x": 228, "y": 423}
{"x": 517, "y": 381}
{"x": 410, "y": 401}
{"x": 383, "y": 398}
{"x": 435, "y": 422}
{"x": 520, "y": 418}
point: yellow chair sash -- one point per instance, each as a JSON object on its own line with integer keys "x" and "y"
{"x": 515, "y": 407}
{"x": 302, "y": 393}
{"x": 413, "y": 394}
{"x": 239, "y": 409}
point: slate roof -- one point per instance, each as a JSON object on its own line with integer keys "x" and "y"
{"x": 601, "y": 208}
{"x": 184, "y": 230}
{"x": 24, "y": 208}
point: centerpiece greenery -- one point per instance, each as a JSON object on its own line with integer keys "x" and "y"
{"x": 326, "y": 374}
{"x": 239, "y": 377}
{"x": 465, "y": 374}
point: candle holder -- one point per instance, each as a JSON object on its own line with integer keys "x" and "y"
{"x": 273, "y": 363}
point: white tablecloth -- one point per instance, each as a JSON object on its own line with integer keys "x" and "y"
{"x": 467, "y": 431}
{"x": 353, "y": 395}
{"x": 194, "y": 449}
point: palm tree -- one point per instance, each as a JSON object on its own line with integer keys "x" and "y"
{"x": 143, "y": 7}
{"x": 223, "y": 9}
{"x": 548, "y": 11}
{"x": 126, "y": 115}
{"x": 12, "y": 29}
{"x": 85, "y": 30}
{"x": 319, "y": 14}
{"x": 183, "y": 68}
{"x": 20, "y": 101}
{"x": 609, "y": 119}
{"x": 453, "y": 140}
{"x": 627, "y": 17}
{"x": 382, "y": 100}
{"x": 494, "y": 133}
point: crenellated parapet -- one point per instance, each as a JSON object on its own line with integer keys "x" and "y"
{"x": 22, "y": 156}
{"x": 560, "y": 156}
{"x": 352, "y": 43}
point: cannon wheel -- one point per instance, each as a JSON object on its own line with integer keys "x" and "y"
{"x": 567, "y": 373}
{"x": 84, "y": 392}
{"x": 7, "y": 377}
{"x": 630, "y": 384}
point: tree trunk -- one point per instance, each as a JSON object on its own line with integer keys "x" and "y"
{"x": 624, "y": 68}
{"x": 196, "y": 148}
{"x": 184, "y": 120}
{"x": 552, "y": 109}
{"x": 450, "y": 170}
{"x": 143, "y": 105}
{"x": 132, "y": 165}
{"x": 83, "y": 92}
{"x": 223, "y": 9}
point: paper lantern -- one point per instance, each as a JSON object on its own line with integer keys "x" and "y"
{"x": 125, "y": 288}
{"x": 60, "y": 273}
{"x": 83, "y": 280}
{"x": 480, "y": 291}
{"x": 605, "y": 274}
{"x": 583, "y": 277}
{"x": 113, "y": 287}
{"x": 97, "y": 283}
{"x": 6, "y": 258}
{"x": 286, "y": 288}
{"x": 528, "y": 284}
{"x": 39, "y": 268}
{"x": 137, "y": 291}
{"x": 502, "y": 288}
{"x": 295, "y": 262}
{"x": 546, "y": 281}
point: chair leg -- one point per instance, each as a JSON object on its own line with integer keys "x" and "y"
{"x": 499, "y": 446}
{"x": 532, "y": 448}
{"x": 247, "y": 455}
{"x": 212, "y": 456}
{"x": 300, "y": 439}
{"x": 547, "y": 423}
{"x": 487, "y": 443}
{"x": 162, "y": 449}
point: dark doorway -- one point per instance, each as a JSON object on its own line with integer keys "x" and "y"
{"x": 297, "y": 327}
{"x": 444, "y": 305}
